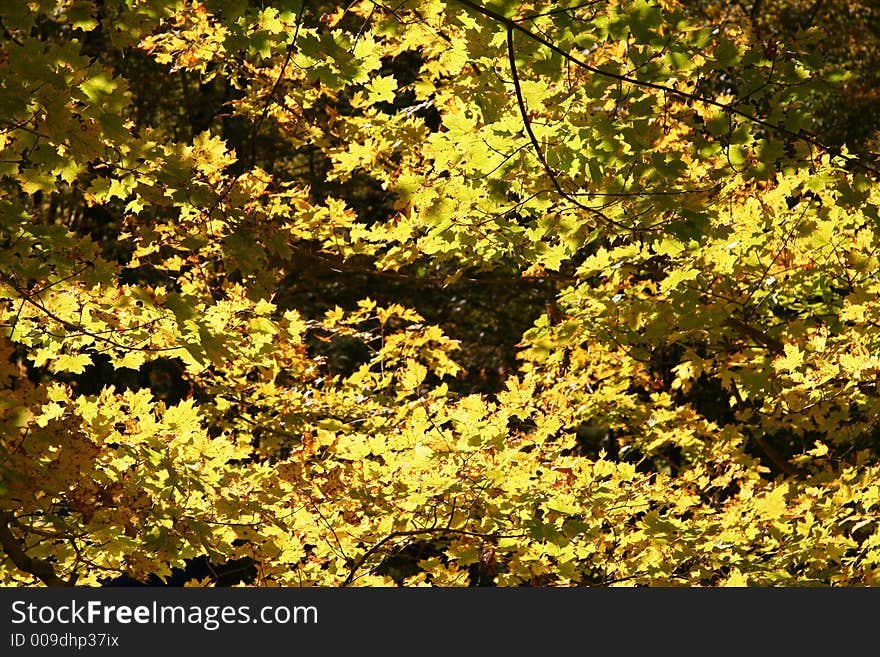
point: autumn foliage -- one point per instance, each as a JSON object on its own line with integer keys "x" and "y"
{"x": 431, "y": 293}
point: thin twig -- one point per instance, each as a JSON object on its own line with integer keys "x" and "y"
{"x": 511, "y": 55}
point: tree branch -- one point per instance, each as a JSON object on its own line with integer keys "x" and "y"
{"x": 415, "y": 532}
{"x": 800, "y": 135}
{"x": 42, "y": 570}
{"x": 537, "y": 147}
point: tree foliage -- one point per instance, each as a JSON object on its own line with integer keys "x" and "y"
{"x": 437, "y": 293}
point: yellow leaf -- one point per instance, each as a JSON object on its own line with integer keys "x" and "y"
{"x": 131, "y": 359}
{"x": 792, "y": 359}
{"x": 773, "y": 504}
{"x": 264, "y": 307}
{"x": 74, "y": 363}
{"x": 382, "y": 89}
{"x": 676, "y": 277}
{"x": 736, "y": 579}
{"x": 51, "y": 411}
{"x": 820, "y": 450}
{"x": 412, "y": 375}
{"x": 182, "y": 418}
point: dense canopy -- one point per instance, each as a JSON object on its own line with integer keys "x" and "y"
{"x": 439, "y": 293}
